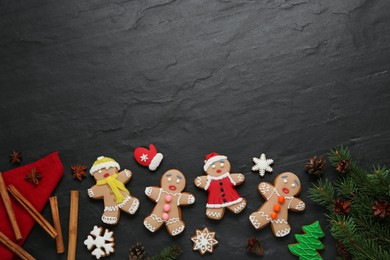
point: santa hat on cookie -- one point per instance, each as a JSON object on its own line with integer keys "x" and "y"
{"x": 148, "y": 157}
{"x": 212, "y": 158}
{"x": 103, "y": 162}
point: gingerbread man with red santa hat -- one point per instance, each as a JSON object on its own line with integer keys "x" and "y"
{"x": 220, "y": 183}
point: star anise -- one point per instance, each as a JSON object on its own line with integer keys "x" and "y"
{"x": 34, "y": 176}
{"x": 381, "y": 208}
{"x": 342, "y": 207}
{"x": 78, "y": 171}
{"x": 15, "y": 157}
{"x": 342, "y": 166}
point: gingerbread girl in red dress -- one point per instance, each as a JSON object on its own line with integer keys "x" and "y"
{"x": 219, "y": 183}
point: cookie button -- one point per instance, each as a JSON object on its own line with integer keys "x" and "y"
{"x": 168, "y": 198}
{"x": 165, "y": 216}
{"x": 224, "y": 200}
{"x": 273, "y": 215}
{"x": 167, "y": 207}
{"x": 222, "y": 189}
{"x": 223, "y": 194}
{"x": 276, "y": 207}
{"x": 281, "y": 199}
{"x": 221, "y": 183}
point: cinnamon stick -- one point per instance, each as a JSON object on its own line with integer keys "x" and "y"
{"x": 57, "y": 224}
{"x": 32, "y": 211}
{"x": 9, "y": 209}
{"x": 17, "y": 250}
{"x": 73, "y": 218}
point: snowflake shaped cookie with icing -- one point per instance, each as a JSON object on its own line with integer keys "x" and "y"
{"x": 262, "y": 164}
{"x": 104, "y": 245}
{"x": 204, "y": 241}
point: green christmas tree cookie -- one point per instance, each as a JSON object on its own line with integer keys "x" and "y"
{"x": 308, "y": 243}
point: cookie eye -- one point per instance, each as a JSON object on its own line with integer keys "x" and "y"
{"x": 213, "y": 166}
{"x": 293, "y": 185}
{"x": 222, "y": 164}
{"x": 178, "y": 180}
{"x": 169, "y": 179}
{"x": 107, "y": 168}
{"x": 285, "y": 180}
{"x": 99, "y": 171}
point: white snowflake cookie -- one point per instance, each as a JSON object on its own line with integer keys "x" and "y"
{"x": 262, "y": 164}
{"x": 204, "y": 241}
{"x": 103, "y": 245}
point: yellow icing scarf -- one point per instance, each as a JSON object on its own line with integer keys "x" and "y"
{"x": 115, "y": 186}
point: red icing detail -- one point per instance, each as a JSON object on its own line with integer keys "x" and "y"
{"x": 52, "y": 170}
{"x": 218, "y": 171}
{"x": 281, "y": 199}
{"x": 273, "y": 215}
{"x": 276, "y": 207}
{"x": 285, "y": 190}
{"x": 168, "y": 198}
{"x": 171, "y": 187}
{"x": 215, "y": 193}
{"x": 210, "y": 155}
{"x": 151, "y": 153}
{"x": 106, "y": 175}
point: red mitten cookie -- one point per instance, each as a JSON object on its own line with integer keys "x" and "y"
{"x": 280, "y": 198}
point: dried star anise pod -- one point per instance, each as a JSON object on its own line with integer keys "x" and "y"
{"x": 342, "y": 207}
{"x": 381, "y": 209}
{"x": 254, "y": 247}
{"x": 315, "y": 166}
{"x": 15, "y": 157}
{"x": 342, "y": 166}
{"x": 79, "y": 171}
{"x": 34, "y": 176}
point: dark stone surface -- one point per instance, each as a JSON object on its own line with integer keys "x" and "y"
{"x": 288, "y": 78}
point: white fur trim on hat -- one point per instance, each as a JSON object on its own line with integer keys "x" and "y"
{"x": 212, "y": 160}
{"x": 155, "y": 161}
{"x": 107, "y": 165}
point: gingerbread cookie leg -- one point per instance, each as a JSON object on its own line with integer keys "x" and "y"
{"x": 259, "y": 219}
{"x": 238, "y": 207}
{"x": 130, "y": 205}
{"x": 216, "y": 213}
{"x": 175, "y": 226}
{"x": 153, "y": 222}
{"x": 280, "y": 229}
{"x": 110, "y": 215}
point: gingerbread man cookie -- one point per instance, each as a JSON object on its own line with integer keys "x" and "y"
{"x": 219, "y": 183}
{"x": 110, "y": 186}
{"x": 280, "y": 198}
{"x": 169, "y": 198}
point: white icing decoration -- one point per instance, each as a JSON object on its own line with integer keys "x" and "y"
{"x": 301, "y": 206}
{"x": 191, "y": 199}
{"x": 240, "y": 177}
{"x": 90, "y": 193}
{"x": 177, "y": 231}
{"x": 254, "y": 221}
{"x": 264, "y": 187}
{"x": 276, "y": 221}
{"x": 240, "y": 207}
{"x": 227, "y": 204}
{"x": 211, "y": 178}
{"x": 149, "y": 226}
{"x": 282, "y": 233}
{"x": 134, "y": 206}
{"x": 128, "y": 173}
{"x": 198, "y": 181}
{"x": 204, "y": 241}
{"x": 144, "y": 157}
{"x": 109, "y": 220}
{"x": 160, "y": 220}
{"x": 148, "y": 191}
{"x": 262, "y": 164}
{"x": 213, "y": 214}
{"x": 104, "y": 244}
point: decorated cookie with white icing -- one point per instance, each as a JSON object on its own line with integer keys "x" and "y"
{"x": 204, "y": 241}
{"x": 280, "y": 198}
{"x": 102, "y": 244}
{"x": 110, "y": 186}
{"x": 169, "y": 197}
{"x": 220, "y": 184}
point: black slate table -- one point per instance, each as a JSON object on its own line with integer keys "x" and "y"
{"x": 287, "y": 78}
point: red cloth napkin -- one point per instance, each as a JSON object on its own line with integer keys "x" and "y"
{"x": 51, "y": 170}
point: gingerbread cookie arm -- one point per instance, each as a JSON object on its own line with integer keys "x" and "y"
{"x": 238, "y": 178}
{"x": 96, "y": 192}
{"x": 124, "y": 176}
{"x": 266, "y": 190}
{"x": 153, "y": 193}
{"x": 186, "y": 199}
{"x": 297, "y": 205}
{"x": 200, "y": 182}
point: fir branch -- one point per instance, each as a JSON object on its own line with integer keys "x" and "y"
{"x": 169, "y": 253}
{"x": 323, "y": 193}
{"x": 339, "y": 154}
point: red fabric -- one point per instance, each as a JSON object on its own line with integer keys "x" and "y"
{"x": 221, "y": 192}
{"x": 139, "y": 151}
{"x": 210, "y": 155}
{"x": 51, "y": 170}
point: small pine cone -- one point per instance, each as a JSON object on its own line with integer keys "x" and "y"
{"x": 315, "y": 166}
{"x": 342, "y": 250}
{"x": 342, "y": 166}
{"x": 381, "y": 209}
{"x": 254, "y": 247}
{"x": 137, "y": 252}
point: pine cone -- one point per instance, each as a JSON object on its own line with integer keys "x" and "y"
{"x": 342, "y": 207}
{"x": 254, "y": 247}
{"x": 342, "y": 166}
{"x": 315, "y": 166}
{"x": 342, "y": 250}
{"x": 381, "y": 208}
{"x": 137, "y": 252}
